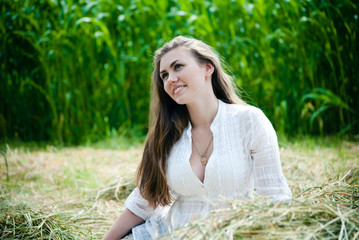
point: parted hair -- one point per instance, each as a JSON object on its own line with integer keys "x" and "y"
{"x": 168, "y": 119}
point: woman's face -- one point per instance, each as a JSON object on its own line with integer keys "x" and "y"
{"x": 184, "y": 78}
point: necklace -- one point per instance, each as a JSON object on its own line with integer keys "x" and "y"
{"x": 204, "y": 160}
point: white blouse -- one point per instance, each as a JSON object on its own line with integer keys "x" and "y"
{"x": 245, "y": 157}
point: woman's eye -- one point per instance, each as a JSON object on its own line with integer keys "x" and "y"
{"x": 178, "y": 66}
{"x": 164, "y": 76}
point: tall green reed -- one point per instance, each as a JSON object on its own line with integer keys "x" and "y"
{"x": 75, "y": 71}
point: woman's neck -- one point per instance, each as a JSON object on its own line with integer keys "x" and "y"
{"x": 203, "y": 111}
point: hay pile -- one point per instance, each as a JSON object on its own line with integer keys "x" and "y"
{"x": 77, "y": 193}
{"x": 330, "y": 211}
{"x": 20, "y": 221}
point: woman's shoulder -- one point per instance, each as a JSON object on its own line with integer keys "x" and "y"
{"x": 250, "y": 117}
{"x": 243, "y": 111}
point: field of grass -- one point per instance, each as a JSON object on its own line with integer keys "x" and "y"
{"x": 88, "y": 63}
{"x": 77, "y": 192}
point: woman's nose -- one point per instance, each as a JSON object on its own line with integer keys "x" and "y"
{"x": 172, "y": 77}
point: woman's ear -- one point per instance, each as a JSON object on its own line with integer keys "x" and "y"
{"x": 209, "y": 69}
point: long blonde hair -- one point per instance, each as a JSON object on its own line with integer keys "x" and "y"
{"x": 168, "y": 119}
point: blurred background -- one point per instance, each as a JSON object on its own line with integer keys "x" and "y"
{"x": 73, "y": 72}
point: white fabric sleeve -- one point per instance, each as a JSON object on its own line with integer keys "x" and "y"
{"x": 267, "y": 170}
{"x": 138, "y": 205}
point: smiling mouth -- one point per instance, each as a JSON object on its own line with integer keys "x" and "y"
{"x": 177, "y": 90}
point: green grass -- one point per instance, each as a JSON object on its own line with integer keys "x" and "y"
{"x": 77, "y": 192}
{"x": 83, "y": 67}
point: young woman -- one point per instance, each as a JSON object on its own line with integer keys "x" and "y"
{"x": 205, "y": 146}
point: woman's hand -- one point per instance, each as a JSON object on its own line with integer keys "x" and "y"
{"x": 124, "y": 223}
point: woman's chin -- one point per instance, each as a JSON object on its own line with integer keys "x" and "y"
{"x": 180, "y": 100}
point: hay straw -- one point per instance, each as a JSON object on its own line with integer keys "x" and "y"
{"x": 327, "y": 212}
{"x": 324, "y": 181}
{"x": 117, "y": 190}
{"x": 19, "y": 221}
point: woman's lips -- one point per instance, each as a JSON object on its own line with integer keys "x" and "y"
{"x": 178, "y": 89}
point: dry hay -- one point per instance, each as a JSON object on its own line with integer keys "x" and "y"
{"x": 323, "y": 180}
{"x": 19, "y": 221}
{"x": 330, "y": 211}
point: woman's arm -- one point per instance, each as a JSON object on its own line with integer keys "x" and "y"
{"x": 268, "y": 176}
{"x": 124, "y": 223}
{"x": 137, "y": 210}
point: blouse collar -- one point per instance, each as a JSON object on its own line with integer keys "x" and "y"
{"x": 214, "y": 123}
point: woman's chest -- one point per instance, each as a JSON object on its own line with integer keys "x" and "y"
{"x": 227, "y": 169}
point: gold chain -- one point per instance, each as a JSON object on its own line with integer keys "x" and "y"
{"x": 204, "y": 160}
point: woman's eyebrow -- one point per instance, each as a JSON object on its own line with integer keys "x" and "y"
{"x": 173, "y": 63}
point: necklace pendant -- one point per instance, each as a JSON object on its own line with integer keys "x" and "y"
{"x": 204, "y": 161}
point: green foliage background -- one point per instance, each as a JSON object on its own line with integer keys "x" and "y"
{"x": 75, "y": 71}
